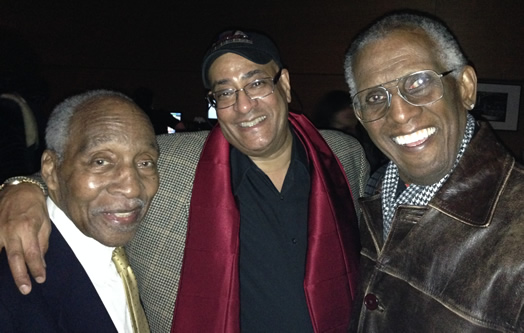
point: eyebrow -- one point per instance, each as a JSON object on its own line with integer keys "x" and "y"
{"x": 101, "y": 139}
{"x": 245, "y": 76}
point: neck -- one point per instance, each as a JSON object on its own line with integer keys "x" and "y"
{"x": 276, "y": 166}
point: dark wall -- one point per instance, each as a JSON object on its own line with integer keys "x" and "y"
{"x": 159, "y": 44}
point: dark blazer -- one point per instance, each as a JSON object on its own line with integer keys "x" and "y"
{"x": 66, "y": 302}
{"x": 157, "y": 250}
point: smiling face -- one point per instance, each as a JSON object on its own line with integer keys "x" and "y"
{"x": 258, "y": 128}
{"x": 423, "y": 141}
{"x": 108, "y": 175}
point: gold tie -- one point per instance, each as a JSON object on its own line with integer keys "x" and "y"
{"x": 138, "y": 317}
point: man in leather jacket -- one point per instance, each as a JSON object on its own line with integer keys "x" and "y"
{"x": 442, "y": 237}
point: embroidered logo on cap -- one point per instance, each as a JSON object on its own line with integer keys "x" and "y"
{"x": 230, "y": 37}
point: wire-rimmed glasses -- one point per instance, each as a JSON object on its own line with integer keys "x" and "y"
{"x": 256, "y": 89}
{"x": 418, "y": 89}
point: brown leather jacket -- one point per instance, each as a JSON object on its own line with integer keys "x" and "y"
{"x": 456, "y": 265}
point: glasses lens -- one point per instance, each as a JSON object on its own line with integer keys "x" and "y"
{"x": 224, "y": 98}
{"x": 421, "y": 88}
{"x": 370, "y": 104}
{"x": 259, "y": 88}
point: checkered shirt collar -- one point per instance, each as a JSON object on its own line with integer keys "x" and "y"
{"x": 415, "y": 195}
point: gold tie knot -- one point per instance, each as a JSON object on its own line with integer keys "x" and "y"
{"x": 120, "y": 259}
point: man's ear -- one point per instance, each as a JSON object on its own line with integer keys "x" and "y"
{"x": 49, "y": 168}
{"x": 285, "y": 84}
{"x": 468, "y": 87}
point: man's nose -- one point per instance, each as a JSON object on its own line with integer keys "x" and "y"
{"x": 400, "y": 110}
{"x": 127, "y": 182}
{"x": 244, "y": 102}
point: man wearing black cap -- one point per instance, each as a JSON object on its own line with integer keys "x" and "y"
{"x": 282, "y": 193}
{"x": 272, "y": 242}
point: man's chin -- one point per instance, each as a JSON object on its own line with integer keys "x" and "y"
{"x": 425, "y": 179}
{"x": 121, "y": 240}
{"x": 114, "y": 238}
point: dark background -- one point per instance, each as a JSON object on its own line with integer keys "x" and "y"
{"x": 71, "y": 46}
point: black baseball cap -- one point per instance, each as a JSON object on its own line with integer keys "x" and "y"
{"x": 253, "y": 46}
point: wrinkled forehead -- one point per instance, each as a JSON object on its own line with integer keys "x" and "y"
{"x": 398, "y": 41}
{"x": 110, "y": 118}
{"x": 396, "y": 54}
{"x": 107, "y": 110}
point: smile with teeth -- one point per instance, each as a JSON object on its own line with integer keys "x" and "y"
{"x": 417, "y": 137}
{"x": 125, "y": 214}
{"x": 253, "y": 122}
{"x": 123, "y": 217}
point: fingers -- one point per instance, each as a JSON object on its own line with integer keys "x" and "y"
{"x": 34, "y": 259}
{"x": 24, "y": 230}
{"x": 36, "y": 246}
{"x": 34, "y": 255}
{"x": 16, "y": 260}
{"x": 23, "y": 254}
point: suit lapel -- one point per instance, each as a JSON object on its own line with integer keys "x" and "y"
{"x": 69, "y": 291}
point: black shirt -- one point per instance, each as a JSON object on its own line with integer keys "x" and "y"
{"x": 273, "y": 244}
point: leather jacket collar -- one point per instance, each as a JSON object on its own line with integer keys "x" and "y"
{"x": 485, "y": 162}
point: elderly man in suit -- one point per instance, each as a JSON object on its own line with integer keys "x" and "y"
{"x": 100, "y": 171}
{"x": 254, "y": 227}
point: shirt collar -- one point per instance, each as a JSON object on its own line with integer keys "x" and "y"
{"x": 241, "y": 163}
{"x": 88, "y": 250}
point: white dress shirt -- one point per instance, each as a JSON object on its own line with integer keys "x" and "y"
{"x": 96, "y": 260}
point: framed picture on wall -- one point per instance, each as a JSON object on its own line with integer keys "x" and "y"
{"x": 499, "y": 104}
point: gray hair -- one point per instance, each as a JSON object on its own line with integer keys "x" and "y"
{"x": 57, "y": 130}
{"x": 447, "y": 48}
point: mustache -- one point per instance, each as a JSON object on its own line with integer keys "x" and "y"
{"x": 121, "y": 206}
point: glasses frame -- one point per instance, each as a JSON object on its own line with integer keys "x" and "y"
{"x": 356, "y": 103}
{"x": 213, "y": 102}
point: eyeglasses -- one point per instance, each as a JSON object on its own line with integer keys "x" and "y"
{"x": 259, "y": 88}
{"x": 418, "y": 89}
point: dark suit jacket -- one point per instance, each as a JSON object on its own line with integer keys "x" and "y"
{"x": 157, "y": 250}
{"x": 66, "y": 302}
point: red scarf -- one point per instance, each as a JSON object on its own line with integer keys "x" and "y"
{"x": 208, "y": 294}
